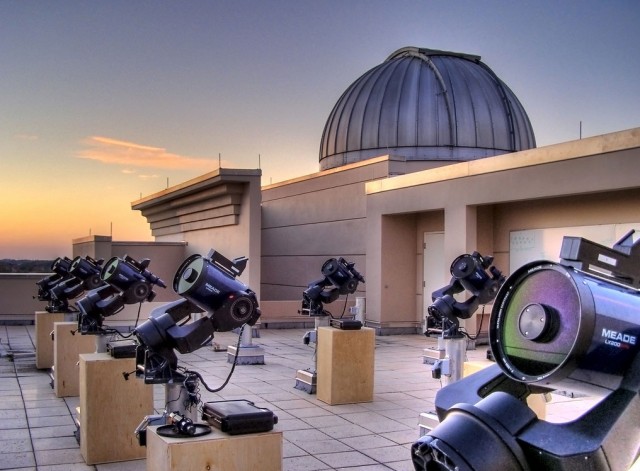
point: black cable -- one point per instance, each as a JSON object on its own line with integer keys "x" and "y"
{"x": 120, "y": 334}
{"x": 138, "y": 316}
{"x": 134, "y": 327}
{"x": 344, "y": 308}
{"x": 166, "y": 405}
{"x": 233, "y": 367}
{"x": 479, "y": 328}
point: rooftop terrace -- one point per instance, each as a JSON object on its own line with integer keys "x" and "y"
{"x": 37, "y": 430}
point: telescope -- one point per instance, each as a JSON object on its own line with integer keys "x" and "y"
{"x": 207, "y": 284}
{"x": 60, "y": 268}
{"x": 88, "y": 271}
{"x": 340, "y": 278}
{"x": 473, "y": 273}
{"x": 124, "y": 281}
{"x": 571, "y": 326}
{"x": 62, "y": 286}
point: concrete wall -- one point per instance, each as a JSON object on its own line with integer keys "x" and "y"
{"x": 477, "y": 204}
{"x": 309, "y": 220}
{"x": 189, "y": 212}
{"x": 17, "y": 291}
{"x": 304, "y": 223}
{"x": 165, "y": 257}
{"x": 18, "y": 305}
{"x": 97, "y": 247}
{"x": 374, "y": 213}
{"x": 614, "y": 207}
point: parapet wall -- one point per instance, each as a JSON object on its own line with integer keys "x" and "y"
{"x": 17, "y": 291}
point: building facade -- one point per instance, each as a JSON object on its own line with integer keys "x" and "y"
{"x": 425, "y": 157}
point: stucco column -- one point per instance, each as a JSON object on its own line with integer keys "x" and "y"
{"x": 251, "y": 217}
{"x": 460, "y": 233}
{"x": 95, "y": 246}
{"x": 374, "y": 267}
{"x": 390, "y": 284}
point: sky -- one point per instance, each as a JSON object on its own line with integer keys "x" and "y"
{"x": 105, "y": 102}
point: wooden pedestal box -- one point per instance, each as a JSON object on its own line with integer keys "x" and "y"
{"x": 44, "y": 342}
{"x": 66, "y": 354}
{"x": 345, "y": 365}
{"x": 216, "y": 451}
{"x": 111, "y": 409}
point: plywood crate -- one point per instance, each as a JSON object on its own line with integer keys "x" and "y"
{"x": 345, "y": 365}
{"x": 111, "y": 408}
{"x": 216, "y": 451}
{"x": 44, "y": 343}
{"x": 67, "y": 348}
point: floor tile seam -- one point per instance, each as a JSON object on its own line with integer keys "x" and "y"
{"x": 31, "y": 438}
{"x": 350, "y": 423}
{"x": 382, "y": 418}
{"x": 318, "y": 457}
{"x": 326, "y": 452}
{"x": 29, "y": 467}
{"x": 24, "y": 409}
{"x": 342, "y": 440}
{"x": 70, "y": 409}
{"x": 30, "y": 335}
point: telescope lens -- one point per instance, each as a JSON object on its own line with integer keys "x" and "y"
{"x": 74, "y": 264}
{"x": 188, "y": 273}
{"x": 469, "y": 270}
{"x": 463, "y": 266}
{"x": 329, "y": 267}
{"x": 110, "y": 268}
{"x": 61, "y": 266}
{"x": 242, "y": 309}
{"x": 537, "y": 322}
{"x": 210, "y": 287}
{"x": 555, "y": 324}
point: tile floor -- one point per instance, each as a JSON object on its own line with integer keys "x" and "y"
{"x": 37, "y": 428}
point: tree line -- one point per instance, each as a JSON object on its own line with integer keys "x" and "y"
{"x": 25, "y": 266}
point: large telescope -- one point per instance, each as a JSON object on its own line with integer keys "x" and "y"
{"x": 573, "y": 325}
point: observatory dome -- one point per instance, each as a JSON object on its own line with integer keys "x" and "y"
{"x": 424, "y": 104}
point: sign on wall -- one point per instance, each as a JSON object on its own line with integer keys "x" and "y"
{"x": 544, "y": 244}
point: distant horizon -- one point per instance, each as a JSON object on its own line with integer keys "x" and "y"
{"x": 107, "y": 102}
{"x": 29, "y": 259}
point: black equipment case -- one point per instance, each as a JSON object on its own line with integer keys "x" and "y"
{"x": 238, "y": 417}
{"x": 122, "y": 348}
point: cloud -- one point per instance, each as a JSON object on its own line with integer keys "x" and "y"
{"x": 148, "y": 177}
{"x": 115, "y": 152}
{"x": 26, "y": 137}
{"x": 128, "y": 170}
